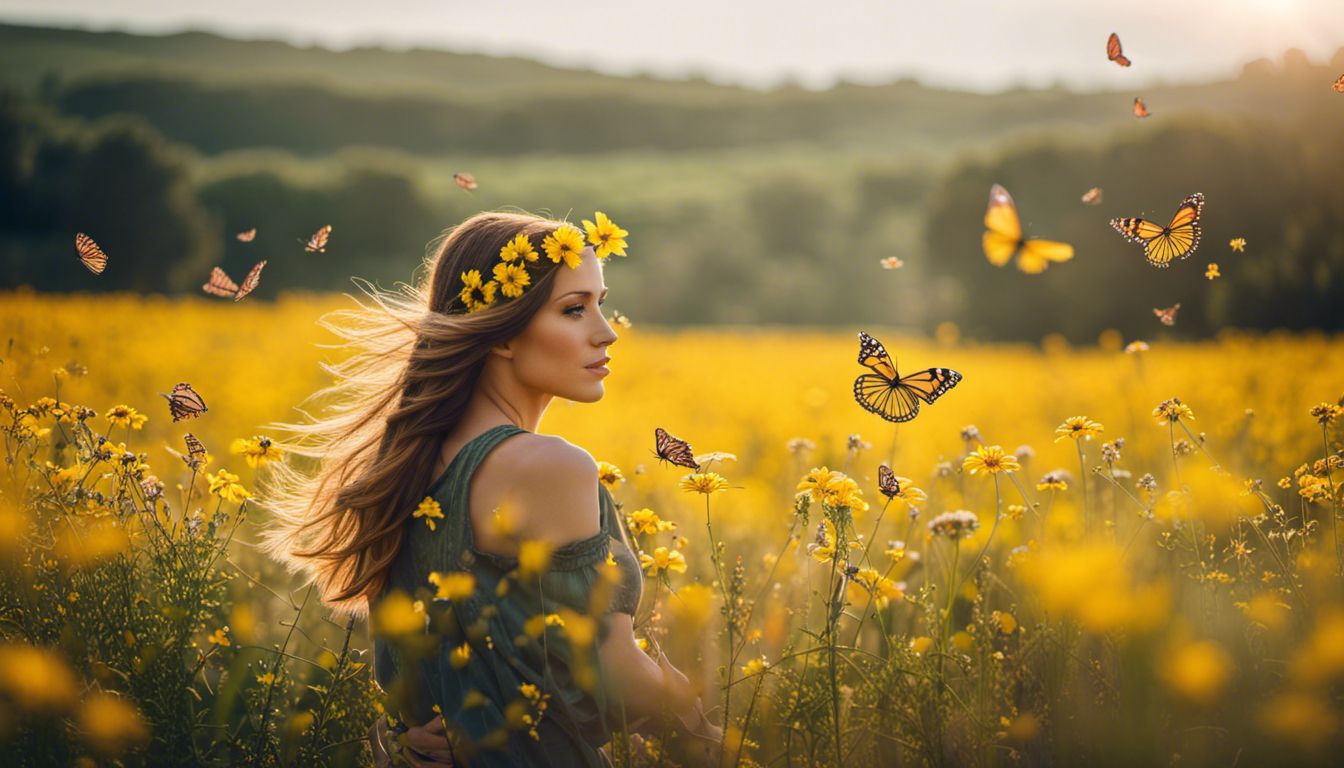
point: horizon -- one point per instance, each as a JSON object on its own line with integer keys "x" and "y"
{"x": 825, "y": 56}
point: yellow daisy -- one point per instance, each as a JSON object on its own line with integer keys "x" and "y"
{"x": 663, "y": 560}
{"x": 704, "y": 482}
{"x": 124, "y": 416}
{"x": 512, "y": 279}
{"x": 257, "y": 450}
{"x": 991, "y": 460}
{"x": 476, "y": 295}
{"x": 606, "y": 236}
{"x": 1078, "y": 428}
{"x": 564, "y": 244}
{"x": 519, "y": 248}
{"x": 429, "y": 509}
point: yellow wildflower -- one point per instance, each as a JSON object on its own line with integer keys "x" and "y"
{"x": 225, "y": 485}
{"x": 991, "y": 460}
{"x": 609, "y": 475}
{"x": 256, "y": 450}
{"x": 1325, "y": 413}
{"x": 1237, "y": 244}
{"x": 455, "y": 585}
{"x": 429, "y": 509}
{"x": 475, "y": 294}
{"x": 1211, "y": 272}
{"x": 646, "y": 522}
{"x": 460, "y": 656}
{"x": 564, "y": 244}
{"x": 111, "y": 724}
{"x": 125, "y": 416}
{"x": 266, "y": 679}
{"x": 704, "y": 482}
{"x": 663, "y": 560}
{"x": 37, "y": 679}
{"x": 1078, "y": 428}
{"x": 534, "y": 557}
{"x": 220, "y": 636}
{"x": 606, "y": 236}
{"x": 1171, "y": 411}
{"x": 755, "y": 667}
{"x": 1197, "y": 671}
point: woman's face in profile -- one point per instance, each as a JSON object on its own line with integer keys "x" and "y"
{"x": 563, "y": 349}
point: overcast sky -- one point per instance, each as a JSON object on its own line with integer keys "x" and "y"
{"x": 974, "y": 44}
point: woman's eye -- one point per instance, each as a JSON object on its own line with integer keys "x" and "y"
{"x": 577, "y": 309}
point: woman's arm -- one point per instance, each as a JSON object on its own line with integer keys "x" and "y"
{"x": 646, "y": 688}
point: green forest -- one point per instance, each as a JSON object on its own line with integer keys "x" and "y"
{"x": 743, "y": 206}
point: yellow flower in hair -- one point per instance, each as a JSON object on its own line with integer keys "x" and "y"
{"x": 475, "y": 294}
{"x": 564, "y": 244}
{"x": 519, "y": 248}
{"x": 512, "y": 279}
{"x": 606, "y": 236}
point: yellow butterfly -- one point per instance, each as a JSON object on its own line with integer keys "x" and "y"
{"x": 1003, "y": 238}
{"x": 1162, "y": 245}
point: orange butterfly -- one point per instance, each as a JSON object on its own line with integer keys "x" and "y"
{"x": 1140, "y": 109}
{"x": 887, "y": 482}
{"x": 185, "y": 402}
{"x": 1339, "y": 85}
{"x": 248, "y": 236}
{"x": 1113, "y": 50}
{"x": 89, "y": 253}
{"x": 673, "y": 449}
{"x": 1003, "y": 238}
{"x": 465, "y": 180}
{"x": 221, "y": 284}
{"x": 1168, "y": 315}
{"x": 891, "y": 262}
{"x": 1092, "y": 196}
{"x": 318, "y": 242}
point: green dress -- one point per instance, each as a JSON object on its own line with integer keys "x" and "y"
{"x": 480, "y": 656}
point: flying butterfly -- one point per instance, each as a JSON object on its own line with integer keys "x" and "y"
{"x": 318, "y": 242}
{"x": 1162, "y": 245}
{"x": 1140, "y": 109}
{"x": 465, "y": 180}
{"x": 890, "y": 395}
{"x": 1003, "y": 238}
{"x": 1092, "y": 196}
{"x": 185, "y": 402}
{"x": 891, "y": 262}
{"x": 90, "y": 254}
{"x": 674, "y": 450}
{"x": 195, "y": 455}
{"x": 220, "y": 284}
{"x": 1339, "y": 85}
{"x": 1168, "y": 315}
{"x": 1113, "y": 51}
{"x": 248, "y": 236}
{"x": 887, "y": 482}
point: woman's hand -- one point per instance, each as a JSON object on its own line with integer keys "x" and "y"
{"x": 421, "y": 746}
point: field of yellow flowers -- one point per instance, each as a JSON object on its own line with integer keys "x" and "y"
{"x": 1124, "y": 553}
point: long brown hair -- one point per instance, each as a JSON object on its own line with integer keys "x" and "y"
{"x": 416, "y": 357}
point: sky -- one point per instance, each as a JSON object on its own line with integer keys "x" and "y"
{"x": 978, "y": 45}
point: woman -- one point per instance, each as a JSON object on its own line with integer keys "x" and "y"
{"x": 434, "y": 487}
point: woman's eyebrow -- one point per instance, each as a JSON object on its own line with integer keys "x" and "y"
{"x": 584, "y": 294}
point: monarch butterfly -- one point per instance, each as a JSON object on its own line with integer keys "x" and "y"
{"x": 1162, "y": 244}
{"x": 185, "y": 402}
{"x": 248, "y": 236}
{"x": 90, "y": 254}
{"x": 1168, "y": 315}
{"x": 220, "y": 284}
{"x": 1140, "y": 109}
{"x": 1113, "y": 51}
{"x": 890, "y": 395}
{"x": 195, "y": 451}
{"x": 1339, "y": 85}
{"x": 318, "y": 242}
{"x": 677, "y": 451}
{"x": 465, "y": 180}
{"x": 891, "y": 262}
{"x": 887, "y": 482}
{"x": 1003, "y": 238}
{"x": 1092, "y": 196}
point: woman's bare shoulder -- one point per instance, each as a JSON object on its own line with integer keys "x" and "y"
{"x": 552, "y": 481}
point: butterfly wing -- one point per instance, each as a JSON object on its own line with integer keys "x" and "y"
{"x": 318, "y": 242}
{"x": 465, "y": 181}
{"x": 250, "y": 282}
{"x": 1339, "y": 85}
{"x": 248, "y": 236}
{"x": 185, "y": 402}
{"x": 219, "y": 284}
{"x": 887, "y": 482}
{"x": 1036, "y": 255}
{"x": 1003, "y": 228}
{"x": 1092, "y": 196}
{"x": 930, "y": 384}
{"x": 675, "y": 450}
{"x": 90, "y": 254}
{"x": 874, "y": 356}
{"x": 1140, "y": 109}
{"x": 1114, "y": 52}
{"x": 885, "y": 397}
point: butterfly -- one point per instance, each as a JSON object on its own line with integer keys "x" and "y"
{"x": 669, "y": 448}
{"x": 887, "y": 482}
{"x": 1168, "y": 315}
{"x": 1162, "y": 244}
{"x": 619, "y": 318}
{"x": 318, "y": 242}
{"x": 1140, "y": 109}
{"x": 185, "y": 402}
{"x": 248, "y": 236}
{"x": 1003, "y": 238}
{"x": 195, "y": 452}
{"x": 1092, "y": 196}
{"x": 1113, "y": 51}
{"x": 891, "y": 262}
{"x": 890, "y": 395}
{"x": 89, "y": 253}
{"x": 1339, "y": 85}
{"x": 465, "y": 181}
{"x": 221, "y": 284}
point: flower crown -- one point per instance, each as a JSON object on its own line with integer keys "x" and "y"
{"x": 511, "y": 277}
